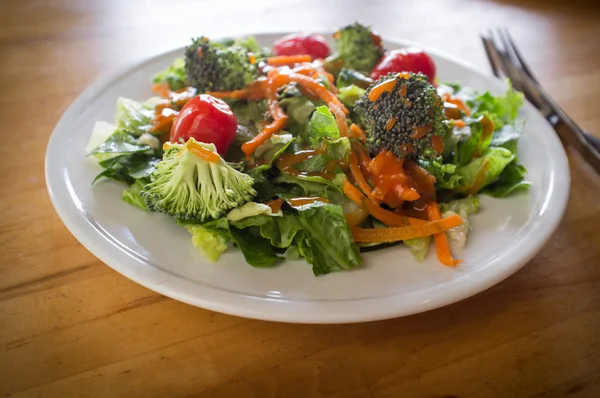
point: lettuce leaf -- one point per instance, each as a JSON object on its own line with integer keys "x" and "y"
{"x": 350, "y": 94}
{"x": 321, "y": 126}
{"x": 464, "y": 207}
{"x": 132, "y": 194}
{"x": 257, "y": 250}
{"x": 174, "y": 75}
{"x": 418, "y": 247}
{"x": 338, "y": 149}
{"x": 501, "y": 109}
{"x": 483, "y": 171}
{"x": 299, "y": 109}
{"x": 509, "y": 182}
{"x": 120, "y": 143}
{"x": 210, "y": 242}
{"x": 328, "y": 243}
{"x": 318, "y": 232}
{"x": 130, "y": 167}
{"x": 135, "y": 117}
{"x": 508, "y": 135}
{"x": 444, "y": 173}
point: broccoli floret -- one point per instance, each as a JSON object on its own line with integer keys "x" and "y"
{"x": 403, "y": 113}
{"x": 358, "y": 48}
{"x": 210, "y": 66}
{"x": 186, "y": 186}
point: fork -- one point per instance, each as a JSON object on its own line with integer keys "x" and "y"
{"x": 506, "y": 59}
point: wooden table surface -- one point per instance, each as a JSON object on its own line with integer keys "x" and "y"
{"x": 71, "y": 326}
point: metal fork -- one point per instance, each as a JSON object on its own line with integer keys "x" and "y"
{"x": 506, "y": 59}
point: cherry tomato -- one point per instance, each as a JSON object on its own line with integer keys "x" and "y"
{"x": 206, "y": 119}
{"x": 302, "y": 43}
{"x": 408, "y": 59}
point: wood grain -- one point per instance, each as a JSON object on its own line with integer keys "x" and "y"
{"x": 70, "y": 326}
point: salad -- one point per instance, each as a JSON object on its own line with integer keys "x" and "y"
{"x": 306, "y": 151}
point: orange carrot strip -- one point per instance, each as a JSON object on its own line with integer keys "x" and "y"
{"x": 364, "y": 158}
{"x": 360, "y": 178}
{"x": 459, "y": 104}
{"x": 235, "y": 94}
{"x": 317, "y": 89}
{"x": 353, "y": 193}
{"x": 403, "y": 233}
{"x": 390, "y": 218}
{"x": 357, "y": 132}
{"x": 442, "y": 247}
{"x": 283, "y": 60}
{"x": 340, "y": 119}
{"x": 256, "y": 90}
{"x": 279, "y": 119}
{"x": 161, "y": 89}
{"x": 202, "y": 152}
{"x": 459, "y": 123}
{"x": 249, "y": 147}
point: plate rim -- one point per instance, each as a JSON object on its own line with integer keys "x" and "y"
{"x": 213, "y": 299}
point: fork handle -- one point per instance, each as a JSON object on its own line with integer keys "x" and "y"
{"x": 592, "y": 140}
{"x": 586, "y": 144}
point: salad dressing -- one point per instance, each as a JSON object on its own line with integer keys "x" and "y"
{"x": 303, "y": 201}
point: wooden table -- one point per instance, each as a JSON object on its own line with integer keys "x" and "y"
{"x": 71, "y": 326}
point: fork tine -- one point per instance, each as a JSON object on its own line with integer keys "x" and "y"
{"x": 518, "y": 55}
{"x": 518, "y": 77}
{"x": 491, "y": 54}
{"x": 509, "y": 69}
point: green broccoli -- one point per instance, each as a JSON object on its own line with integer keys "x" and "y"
{"x": 210, "y": 66}
{"x": 358, "y": 48}
{"x": 187, "y": 186}
{"x": 403, "y": 113}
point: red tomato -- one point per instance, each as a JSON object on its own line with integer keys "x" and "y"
{"x": 302, "y": 43}
{"x": 408, "y": 59}
{"x": 206, "y": 119}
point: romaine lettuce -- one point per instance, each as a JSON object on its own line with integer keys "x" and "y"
{"x": 174, "y": 75}
{"x": 482, "y": 171}
{"x": 321, "y": 126}
{"x": 135, "y": 117}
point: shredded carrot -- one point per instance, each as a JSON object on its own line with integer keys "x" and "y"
{"x": 360, "y": 178}
{"x": 364, "y": 158}
{"x": 459, "y": 103}
{"x": 357, "y": 132}
{"x": 161, "y": 89}
{"x": 283, "y": 60}
{"x": 249, "y": 147}
{"x": 396, "y": 234}
{"x": 256, "y": 90}
{"x": 235, "y": 94}
{"x": 390, "y": 218}
{"x": 316, "y": 89}
{"x": 279, "y": 118}
{"x": 202, "y": 152}
{"x": 340, "y": 119}
{"x": 442, "y": 247}
{"x": 353, "y": 193}
{"x": 459, "y": 123}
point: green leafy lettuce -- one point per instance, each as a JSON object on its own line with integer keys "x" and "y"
{"x": 135, "y": 117}
{"x": 174, "y": 75}
{"x": 318, "y": 232}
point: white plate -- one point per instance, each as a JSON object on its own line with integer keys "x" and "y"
{"x": 150, "y": 249}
